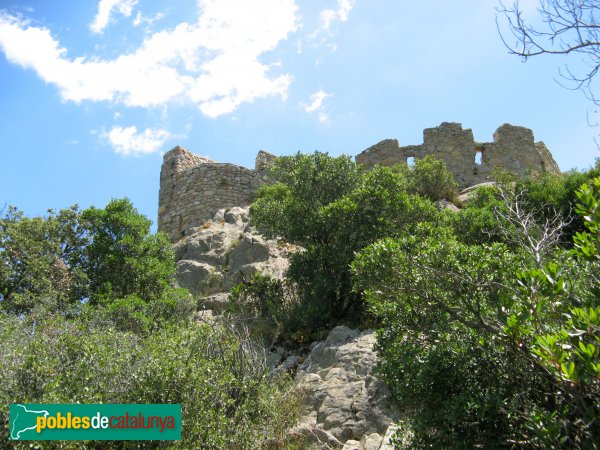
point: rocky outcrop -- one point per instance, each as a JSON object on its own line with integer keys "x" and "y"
{"x": 345, "y": 404}
{"x": 223, "y": 252}
{"x": 342, "y": 395}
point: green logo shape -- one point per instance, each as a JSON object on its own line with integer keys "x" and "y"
{"x": 95, "y": 422}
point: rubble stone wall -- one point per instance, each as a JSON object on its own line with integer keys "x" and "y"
{"x": 193, "y": 188}
{"x": 513, "y": 148}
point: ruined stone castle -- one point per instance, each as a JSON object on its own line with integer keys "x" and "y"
{"x": 471, "y": 162}
{"x": 193, "y": 188}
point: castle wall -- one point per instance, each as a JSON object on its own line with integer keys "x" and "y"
{"x": 193, "y": 189}
{"x": 513, "y": 149}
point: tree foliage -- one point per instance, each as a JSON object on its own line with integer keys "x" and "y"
{"x": 41, "y": 259}
{"x": 430, "y": 178}
{"x": 489, "y": 346}
{"x": 89, "y": 314}
{"x": 66, "y": 257}
{"x": 332, "y": 208}
{"x": 123, "y": 258}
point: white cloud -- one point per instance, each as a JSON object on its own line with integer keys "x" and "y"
{"x": 328, "y": 16}
{"x": 317, "y": 101}
{"x": 140, "y": 19}
{"x": 317, "y": 105}
{"x": 323, "y": 34}
{"x": 128, "y": 141}
{"x": 213, "y": 62}
{"x": 108, "y": 7}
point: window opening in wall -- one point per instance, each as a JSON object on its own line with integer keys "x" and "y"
{"x": 478, "y": 156}
{"x": 410, "y": 161}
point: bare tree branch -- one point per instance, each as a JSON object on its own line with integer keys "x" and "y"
{"x": 524, "y": 228}
{"x": 566, "y": 27}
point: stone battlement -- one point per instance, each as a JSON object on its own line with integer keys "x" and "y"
{"x": 470, "y": 162}
{"x": 193, "y": 188}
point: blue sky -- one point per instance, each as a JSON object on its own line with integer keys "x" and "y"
{"x": 93, "y": 93}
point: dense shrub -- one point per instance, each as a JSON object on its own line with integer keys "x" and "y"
{"x": 215, "y": 373}
{"x": 131, "y": 313}
{"x": 490, "y": 347}
{"x": 477, "y": 221}
{"x": 89, "y": 314}
{"x": 430, "y": 178}
{"x": 549, "y": 193}
{"x": 261, "y": 296}
{"x": 332, "y": 209}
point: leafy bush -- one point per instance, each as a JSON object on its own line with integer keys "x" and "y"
{"x": 227, "y": 399}
{"x": 89, "y": 315}
{"x": 133, "y": 314}
{"x": 261, "y": 296}
{"x": 477, "y": 222}
{"x": 430, "y": 178}
{"x": 488, "y": 347}
{"x": 548, "y": 193}
{"x": 263, "y": 304}
{"x": 332, "y": 209}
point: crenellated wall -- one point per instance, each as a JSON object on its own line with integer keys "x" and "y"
{"x": 513, "y": 149}
{"x": 193, "y": 188}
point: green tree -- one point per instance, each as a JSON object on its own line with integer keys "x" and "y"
{"x": 488, "y": 346}
{"x": 55, "y": 262}
{"x": 430, "y": 178}
{"x": 332, "y": 208}
{"x": 123, "y": 258}
{"x": 41, "y": 260}
{"x": 303, "y": 184}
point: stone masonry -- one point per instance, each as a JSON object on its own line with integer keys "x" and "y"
{"x": 194, "y": 188}
{"x": 470, "y": 162}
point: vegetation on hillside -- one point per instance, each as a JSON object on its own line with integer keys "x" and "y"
{"x": 89, "y": 314}
{"x": 332, "y": 208}
{"x": 488, "y": 318}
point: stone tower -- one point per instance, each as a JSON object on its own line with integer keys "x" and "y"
{"x": 193, "y": 188}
